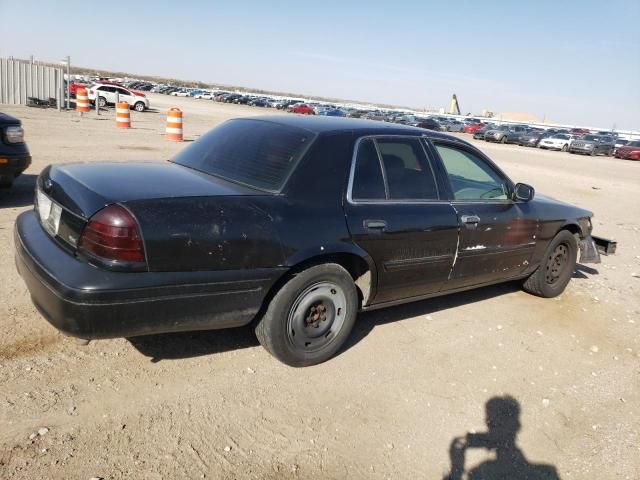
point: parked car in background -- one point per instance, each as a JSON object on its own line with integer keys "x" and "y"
{"x": 333, "y": 112}
{"x": 374, "y": 115}
{"x": 497, "y": 134}
{"x": 454, "y": 126}
{"x": 74, "y": 86}
{"x": 593, "y": 145}
{"x": 621, "y": 142}
{"x": 479, "y": 134}
{"x": 559, "y": 141}
{"x": 204, "y": 95}
{"x": 532, "y": 138}
{"x": 428, "y": 124}
{"x": 630, "y": 151}
{"x": 473, "y": 127}
{"x": 231, "y": 98}
{"x": 250, "y": 225}
{"x": 106, "y": 95}
{"x": 14, "y": 154}
{"x": 301, "y": 108}
{"x": 579, "y": 131}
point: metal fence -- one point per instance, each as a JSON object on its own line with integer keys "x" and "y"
{"x": 20, "y": 80}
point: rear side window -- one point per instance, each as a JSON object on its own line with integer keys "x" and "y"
{"x": 409, "y": 175}
{"x": 251, "y": 152}
{"x": 368, "y": 183}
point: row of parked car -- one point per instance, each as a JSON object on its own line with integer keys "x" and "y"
{"x": 576, "y": 140}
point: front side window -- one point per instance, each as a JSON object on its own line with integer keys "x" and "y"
{"x": 256, "y": 153}
{"x": 470, "y": 176}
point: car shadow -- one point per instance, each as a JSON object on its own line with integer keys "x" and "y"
{"x": 582, "y": 271}
{"x": 367, "y": 321}
{"x": 20, "y": 194}
{"x": 174, "y": 346}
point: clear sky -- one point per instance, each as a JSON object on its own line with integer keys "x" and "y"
{"x": 575, "y": 62}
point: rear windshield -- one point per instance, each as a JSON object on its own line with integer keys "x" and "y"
{"x": 256, "y": 153}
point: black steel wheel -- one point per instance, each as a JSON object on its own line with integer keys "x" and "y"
{"x": 556, "y": 267}
{"x": 556, "y": 263}
{"x": 316, "y": 316}
{"x": 310, "y": 317}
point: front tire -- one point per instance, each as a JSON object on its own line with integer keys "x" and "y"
{"x": 310, "y": 317}
{"x": 139, "y": 107}
{"x": 503, "y": 139}
{"x": 556, "y": 268}
{"x": 565, "y": 147}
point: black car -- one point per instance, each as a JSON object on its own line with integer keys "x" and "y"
{"x": 593, "y": 145}
{"x": 429, "y": 124}
{"x": 291, "y": 223}
{"x": 14, "y": 154}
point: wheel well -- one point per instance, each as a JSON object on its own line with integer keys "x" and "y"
{"x": 572, "y": 227}
{"x": 355, "y": 265}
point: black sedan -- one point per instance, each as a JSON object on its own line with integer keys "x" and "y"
{"x": 293, "y": 224}
{"x": 14, "y": 154}
{"x": 428, "y": 124}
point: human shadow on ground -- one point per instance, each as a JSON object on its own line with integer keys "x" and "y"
{"x": 508, "y": 462}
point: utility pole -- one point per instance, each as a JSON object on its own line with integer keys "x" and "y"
{"x": 67, "y": 61}
{"x": 68, "y": 82}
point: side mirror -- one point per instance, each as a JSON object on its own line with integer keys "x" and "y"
{"x": 523, "y": 192}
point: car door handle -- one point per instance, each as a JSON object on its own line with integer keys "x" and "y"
{"x": 470, "y": 219}
{"x": 375, "y": 224}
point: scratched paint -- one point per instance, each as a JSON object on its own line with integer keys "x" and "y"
{"x": 477, "y": 247}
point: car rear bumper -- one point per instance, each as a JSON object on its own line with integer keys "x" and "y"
{"x": 13, "y": 165}
{"x": 86, "y": 302}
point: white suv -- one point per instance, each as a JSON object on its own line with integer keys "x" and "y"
{"x": 107, "y": 96}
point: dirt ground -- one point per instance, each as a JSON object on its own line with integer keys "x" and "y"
{"x": 411, "y": 380}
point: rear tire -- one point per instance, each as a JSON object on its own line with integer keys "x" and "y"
{"x": 102, "y": 102}
{"x": 310, "y": 317}
{"x": 556, "y": 268}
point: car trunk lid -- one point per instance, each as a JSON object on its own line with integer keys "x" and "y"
{"x": 68, "y": 195}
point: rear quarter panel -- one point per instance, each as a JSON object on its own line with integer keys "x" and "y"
{"x": 207, "y": 233}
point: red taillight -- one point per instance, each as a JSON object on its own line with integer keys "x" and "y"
{"x": 91, "y": 92}
{"x": 112, "y": 234}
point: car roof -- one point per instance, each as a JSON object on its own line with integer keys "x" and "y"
{"x": 323, "y": 124}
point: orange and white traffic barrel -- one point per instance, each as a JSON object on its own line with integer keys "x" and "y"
{"x": 123, "y": 115}
{"x": 174, "y": 125}
{"x": 82, "y": 100}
